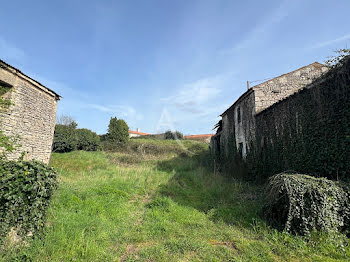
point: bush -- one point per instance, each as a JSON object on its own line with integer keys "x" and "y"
{"x": 300, "y": 204}
{"x": 25, "y": 193}
{"x": 65, "y": 139}
{"x": 173, "y": 135}
{"x": 118, "y": 130}
{"x": 87, "y": 140}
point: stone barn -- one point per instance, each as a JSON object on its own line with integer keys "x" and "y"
{"x": 237, "y": 126}
{"x": 31, "y": 115}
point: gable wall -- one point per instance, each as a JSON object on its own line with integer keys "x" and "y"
{"x": 32, "y": 117}
{"x": 241, "y": 132}
{"x": 274, "y": 90}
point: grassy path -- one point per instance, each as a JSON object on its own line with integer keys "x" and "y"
{"x": 111, "y": 207}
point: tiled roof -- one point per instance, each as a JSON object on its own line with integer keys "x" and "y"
{"x": 137, "y": 133}
{"x": 199, "y": 136}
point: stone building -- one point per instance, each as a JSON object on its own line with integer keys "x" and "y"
{"x": 31, "y": 116}
{"x": 238, "y": 122}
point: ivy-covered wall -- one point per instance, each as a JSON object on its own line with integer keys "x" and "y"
{"x": 309, "y": 132}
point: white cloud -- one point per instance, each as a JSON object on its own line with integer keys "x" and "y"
{"x": 120, "y": 111}
{"x": 333, "y": 41}
{"x": 193, "y": 96}
{"x": 197, "y": 102}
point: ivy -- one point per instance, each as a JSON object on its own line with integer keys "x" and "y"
{"x": 4, "y": 103}
{"x": 300, "y": 204}
{"x": 7, "y": 143}
{"x": 309, "y": 132}
{"x": 25, "y": 192}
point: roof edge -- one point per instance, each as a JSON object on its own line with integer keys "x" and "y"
{"x": 250, "y": 90}
{"x": 29, "y": 79}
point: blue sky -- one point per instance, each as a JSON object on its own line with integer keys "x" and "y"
{"x": 164, "y": 64}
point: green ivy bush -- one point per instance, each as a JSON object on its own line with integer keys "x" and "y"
{"x": 87, "y": 140}
{"x": 65, "y": 139}
{"x": 300, "y": 204}
{"x": 26, "y": 189}
{"x": 173, "y": 135}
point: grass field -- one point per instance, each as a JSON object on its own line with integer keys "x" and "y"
{"x": 160, "y": 203}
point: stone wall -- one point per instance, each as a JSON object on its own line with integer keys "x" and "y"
{"x": 276, "y": 89}
{"x": 257, "y": 99}
{"x": 309, "y": 132}
{"x": 237, "y": 130}
{"x": 32, "y": 116}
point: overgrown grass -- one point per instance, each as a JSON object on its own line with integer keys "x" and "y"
{"x": 162, "y": 205}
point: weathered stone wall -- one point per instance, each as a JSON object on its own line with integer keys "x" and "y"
{"x": 257, "y": 99}
{"x": 32, "y": 116}
{"x": 274, "y": 90}
{"x": 309, "y": 132}
{"x": 234, "y": 131}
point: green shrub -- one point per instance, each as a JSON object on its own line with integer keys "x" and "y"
{"x": 7, "y": 143}
{"x": 300, "y": 204}
{"x": 65, "y": 139}
{"x": 118, "y": 130}
{"x": 87, "y": 140}
{"x": 173, "y": 135}
{"x": 25, "y": 192}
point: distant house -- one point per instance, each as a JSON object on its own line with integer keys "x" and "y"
{"x": 237, "y": 123}
{"x": 136, "y": 133}
{"x": 32, "y": 115}
{"x": 205, "y": 138}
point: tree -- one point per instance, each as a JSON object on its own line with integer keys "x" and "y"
{"x": 173, "y": 135}
{"x": 87, "y": 140}
{"x": 118, "y": 130}
{"x": 338, "y": 59}
{"x": 66, "y": 120}
{"x": 65, "y": 138}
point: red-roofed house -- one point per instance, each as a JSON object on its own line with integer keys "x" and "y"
{"x": 136, "y": 133}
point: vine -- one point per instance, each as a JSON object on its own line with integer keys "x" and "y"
{"x": 309, "y": 132}
{"x": 300, "y": 204}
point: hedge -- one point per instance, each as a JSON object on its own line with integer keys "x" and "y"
{"x": 300, "y": 204}
{"x": 173, "y": 135}
{"x": 87, "y": 140}
{"x": 26, "y": 189}
{"x": 65, "y": 139}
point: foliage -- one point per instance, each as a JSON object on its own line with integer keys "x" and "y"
{"x": 339, "y": 59}
{"x": 300, "y": 204}
{"x": 103, "y": 137}
{"x": 173, "y": 135}
{"x": 151, "y": 147}
{"x": 7, "y": 143}
{"x": 66, "y": 121}
{"x": 65, "y": 139}
{"x": 87, "y": 140}
{"x": 162, "y": 209}
{"x": 309, "y": 132}
{"x": 25, "y": 192}
{"x": 153, "y": 137}
{"x": 118, "y": 130}
{"x": 4, "y": 103}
